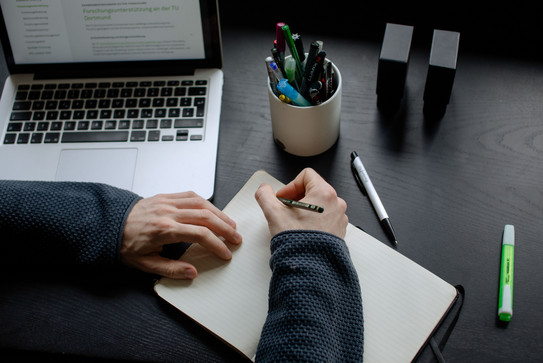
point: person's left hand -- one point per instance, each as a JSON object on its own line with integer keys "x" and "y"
{"x": 170, "y": 218}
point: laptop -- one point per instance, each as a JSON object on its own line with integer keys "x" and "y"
{"x": 126, "y": 93}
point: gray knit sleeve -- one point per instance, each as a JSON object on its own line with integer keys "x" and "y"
{"x": 62, "y": 222}
{"x": 315, "y": 304}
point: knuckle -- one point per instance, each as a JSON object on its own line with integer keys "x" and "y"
{"x": 201, "y": 203}
{"x": 161, "y": 224}
{"x": 197, "y": 202}
{"x": 162, "y": 210}
{"x": 258, "y": 194}
{"x": 343, "y": 204}
{"x": 169, "y": 271}
{"x": 190, "y": 194}
{"x": 204, "y": 216}
{"x": 201, "y": 234}
{"x": 160, "y": 198}
{"x": 330, "y": 194}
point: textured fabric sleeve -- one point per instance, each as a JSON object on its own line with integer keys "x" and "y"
{"x": 315, "y": 304}
{"x": 62, "y": 222}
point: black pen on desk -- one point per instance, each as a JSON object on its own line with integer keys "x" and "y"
{"x": 363, "y": 179}
{"x": 302, "y": 205}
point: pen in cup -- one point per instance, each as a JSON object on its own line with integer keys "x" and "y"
{"x": 293, "y": 52}
{"x": 298, "y": 44}
{"x": 280, "y": 40}
{"x": 276, "y": 71}
{"x": 271, "y": 75}
{"x": 290, "y": 70}
{"x": 285, "y": 88}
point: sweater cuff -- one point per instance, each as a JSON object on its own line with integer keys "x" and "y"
{"x": 121, "y": 229}
{"x": 280, "y": 237}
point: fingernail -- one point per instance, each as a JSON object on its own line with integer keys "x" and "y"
{"x": 227, "y": 254}
{"x": 238, "y": 237}
{"x": 190, "y": 273}
{"x": 231, "y": 222}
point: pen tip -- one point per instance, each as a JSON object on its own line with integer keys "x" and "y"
{"x": 354, "y": 155}
{"x": 389, "y": 231}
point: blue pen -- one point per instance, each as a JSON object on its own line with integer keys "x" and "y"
{"x": 271, "y": 75}
{"x": 276, "y": 71}
{"x": 285, "y": 88}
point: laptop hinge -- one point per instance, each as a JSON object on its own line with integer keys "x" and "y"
{"x": 104, "y": 73}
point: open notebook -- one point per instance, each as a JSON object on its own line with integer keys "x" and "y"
{"x": 403, "y": 302}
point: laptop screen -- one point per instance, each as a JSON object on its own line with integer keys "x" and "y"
{"x": 123, "y": 33}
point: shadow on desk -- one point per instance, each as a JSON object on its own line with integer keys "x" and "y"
{"x": 511, "y": 31}
{"x": 81, "y": 315}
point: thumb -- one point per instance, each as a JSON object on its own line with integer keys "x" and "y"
{"x": 265, "y": 197}
{"x": 174, "y": 269}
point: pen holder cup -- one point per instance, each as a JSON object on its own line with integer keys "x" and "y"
{"x": 310, "y": 130}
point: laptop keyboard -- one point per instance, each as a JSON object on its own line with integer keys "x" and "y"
{"x": 159, "y": 111}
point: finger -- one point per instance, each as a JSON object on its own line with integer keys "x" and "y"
{"x": 190, "y": 200}
{"x": 266, "y": 199}
{"x": 175, "y": 269}
{"x": 304, "y": 182}
{"x": 203, "y": 236}
{"x": 208, "y": 219}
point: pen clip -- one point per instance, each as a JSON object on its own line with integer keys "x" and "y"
{"x": 358, "y": 181}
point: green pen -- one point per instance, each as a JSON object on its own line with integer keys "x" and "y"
{"x": 294, "y": 53}
{"x": 505, "y": 304}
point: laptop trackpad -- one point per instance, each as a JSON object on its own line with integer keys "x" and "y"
{"x": 110, "y": 166}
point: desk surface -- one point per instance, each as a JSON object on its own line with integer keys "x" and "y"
{"x": 448, "y": 186}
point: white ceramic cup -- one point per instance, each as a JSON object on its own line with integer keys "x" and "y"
{"x": 306, "y": 131}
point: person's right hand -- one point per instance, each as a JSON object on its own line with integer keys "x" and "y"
{"x": 307, "y": 187}
{"x": 170, "y": 218}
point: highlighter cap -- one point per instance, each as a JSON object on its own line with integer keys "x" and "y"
{"x": 508, "y": 235}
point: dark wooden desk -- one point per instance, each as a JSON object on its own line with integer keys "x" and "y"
{"x": 449, "y": 188}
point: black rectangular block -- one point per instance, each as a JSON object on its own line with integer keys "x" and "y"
{"x": 393, "y": 62}
{"x": 442, "y": 68}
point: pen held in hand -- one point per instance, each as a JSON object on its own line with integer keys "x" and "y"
{"x": 302, "y": 205}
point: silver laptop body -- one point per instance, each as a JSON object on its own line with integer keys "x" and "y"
{"x": 128, "y": 95}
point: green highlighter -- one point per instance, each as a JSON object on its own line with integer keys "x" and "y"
{"x": 505, "y": 305}
{"x": 294, "y": 53}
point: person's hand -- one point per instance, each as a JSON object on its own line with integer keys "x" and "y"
{"x": 171, "y": 218}
{"x": 307, "y": 187}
